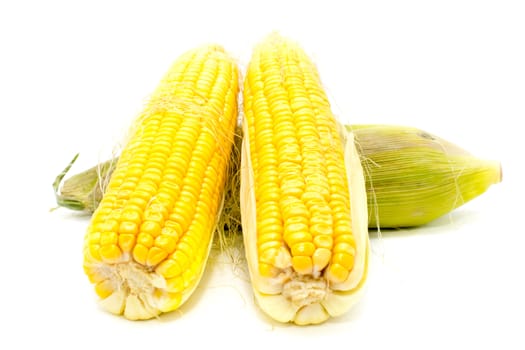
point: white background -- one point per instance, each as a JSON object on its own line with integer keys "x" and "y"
{"x": 73, "y": 75}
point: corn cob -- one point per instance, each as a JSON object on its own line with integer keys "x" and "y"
{"x": 148, "y": 241}
{"x": 395, "y": 158}
{"x": 303, "y": 199}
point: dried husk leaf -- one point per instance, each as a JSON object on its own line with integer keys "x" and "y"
{"x": 414, "y": 177}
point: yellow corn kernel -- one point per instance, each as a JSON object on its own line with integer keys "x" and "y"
{"x": 110, "y": 253}
{"x": 294, "y": 237}
{"x": 150, "y": 227}
{"x": 104, "y": 289}
{"x": 145, "y": 239}
{"x": 268, "y": 245}
{"x": 107, "y": 226}
{"x": 93, "y": 251}
{"x": 165, "y": 243}
{"x": 94, "y": 237}
{"x": 337, "y": 273}
{"x": 323, "y": 241}
{"x": 155, "y": 256}
{"x": 268, "y": 256}
{"x": 140, "y": 253}
{"x": 269, "y": 237}
{"x": 297, "y": 171}
{"x": 128, "y": 227}
{"x": 175, "y": 284}
{"x": 321, "y": 258}
{"x": 302, "y": 264}
{"x": 267, "y": 270}
{"x": 151, "y": 235}
{"x": 343, "y": 247}
{"x": 126, "y": 241}
{"x": 107, "y": 238}
{"x": 303, "y": 248}
{"x": 344, "y": 259}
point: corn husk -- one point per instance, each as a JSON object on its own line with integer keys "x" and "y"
{"x": 412, "y": 178}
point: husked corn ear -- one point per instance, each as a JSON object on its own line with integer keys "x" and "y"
{"x": 303, "y": 199}
{"x": 149, "y": 239}
{"x": 415, "y": 177}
